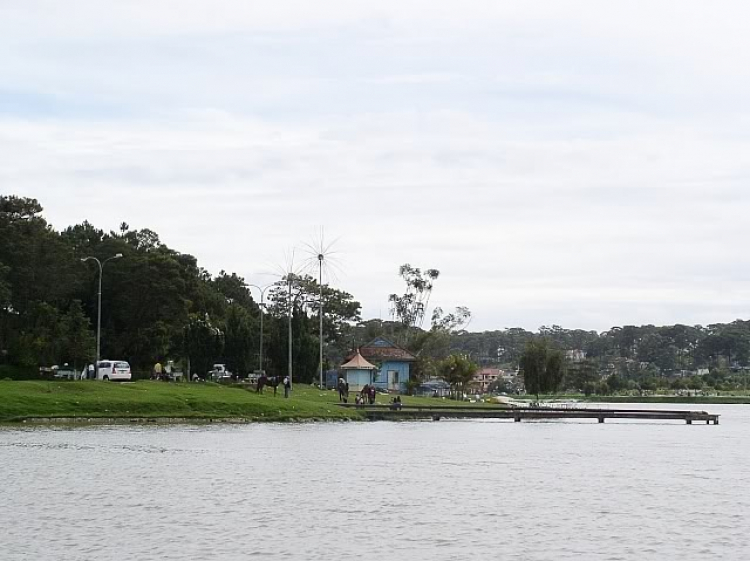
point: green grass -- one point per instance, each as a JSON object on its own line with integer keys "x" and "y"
{"x": 22, "y": 400}
{"x": 64, "y": 399}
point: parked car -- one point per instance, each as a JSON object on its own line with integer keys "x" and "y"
{"x": 219, "y": 373}
{"x": 63, "y": 372}
{"x": 115, "y": 370}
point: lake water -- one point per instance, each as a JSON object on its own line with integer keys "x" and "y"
{"x": 450, "y": 490}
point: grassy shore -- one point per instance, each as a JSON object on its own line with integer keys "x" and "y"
{"x": 153, "y": 400}
{"x": 26, "y": 400}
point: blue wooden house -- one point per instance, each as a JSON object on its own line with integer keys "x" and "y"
{"x": 391, "y": 365}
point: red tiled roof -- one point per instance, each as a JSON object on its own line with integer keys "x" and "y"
{"x": 381, "y": 350}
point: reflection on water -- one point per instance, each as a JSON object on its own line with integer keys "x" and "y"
{"x": 448, "y": 490}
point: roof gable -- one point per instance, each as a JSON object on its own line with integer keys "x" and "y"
{"x": 382, "y": 350}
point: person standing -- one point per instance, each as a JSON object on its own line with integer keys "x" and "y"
{"x": 287, "y": 386}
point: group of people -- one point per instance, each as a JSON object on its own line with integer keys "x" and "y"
{"x": 367, "y": 395}
{"x": 160, "y": 372}
{"x": 363, "y": 397}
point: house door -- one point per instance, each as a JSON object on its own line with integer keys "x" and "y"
{"x": 393, "y": 380}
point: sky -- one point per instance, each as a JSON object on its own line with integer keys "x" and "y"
{"x": 570, "y": 162}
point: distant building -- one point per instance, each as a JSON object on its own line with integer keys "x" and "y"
{"x": 486, "y": 376}
{"x": 391, "y": 363}
{"x": 575, "y": 355}
{"x": 434, "y": 388}
{"x": 358, "y": 372}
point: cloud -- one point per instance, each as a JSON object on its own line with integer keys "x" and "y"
{"x": 577, "y": 163}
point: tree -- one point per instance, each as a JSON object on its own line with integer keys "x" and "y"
{"x": 5, "y": 293}
{"x": 452, "y": 322}
{"x": 582, "y": 376}
{"x": 238, "y": 338}
{"x": 542, "y": 367}
{"x": 202, "y": 344}
{"x": 458, "y": 371}
{"x": 79, "y": 341}
{"x": 409, "y": 308}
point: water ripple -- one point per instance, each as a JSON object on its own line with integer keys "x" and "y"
{"x": 439, "y": 491}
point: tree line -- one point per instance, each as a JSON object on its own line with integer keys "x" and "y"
{"x": 157, "y": 303}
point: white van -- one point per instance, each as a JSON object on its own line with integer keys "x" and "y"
{"x": 113, "y": 370}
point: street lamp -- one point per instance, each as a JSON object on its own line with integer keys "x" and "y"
{"x": 290, "y": 309}
{"x": 260, "y": 354}
{"x": 99, "y": 308}
{"x": 321, "y": 258}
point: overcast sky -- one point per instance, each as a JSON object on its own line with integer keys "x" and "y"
{"x": 581, "y": 163}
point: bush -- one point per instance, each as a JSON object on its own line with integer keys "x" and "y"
{"x": 9, "y": 372}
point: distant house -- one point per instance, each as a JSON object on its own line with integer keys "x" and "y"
{"x": 576, "y": 355}
{"x": 434, "y": 388}
{"x": 484, "y": 377}
{"x": 391, "y": 363}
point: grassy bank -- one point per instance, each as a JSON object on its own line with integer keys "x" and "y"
{"x": 23, "y": 400}
{"x": 91, "y": 399}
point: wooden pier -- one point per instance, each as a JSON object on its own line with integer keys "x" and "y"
{"x": 411, "y": 412}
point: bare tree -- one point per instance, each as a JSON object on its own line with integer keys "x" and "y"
{"x": 409, "y": 308}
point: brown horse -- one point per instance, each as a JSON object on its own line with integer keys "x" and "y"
{"x": 264, "y": 381}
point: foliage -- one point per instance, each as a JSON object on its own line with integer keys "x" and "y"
{"x": 239, "y": 333}
{"x": 582, "y": 376}
{"x": 458, "y": 371}
{"x": 341, "y": 311}
{"x": 409, "y": 308}
{"x": 157, "y": 303}
{"x": 542, "y": 367}
{"x": 452, "y": 322}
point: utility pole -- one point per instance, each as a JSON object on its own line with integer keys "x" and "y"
{"x": 99, "y": 308}
{"x": 320, "y": 313}
{"x": 289, "y": 315}
{"x": 260, "y": 352}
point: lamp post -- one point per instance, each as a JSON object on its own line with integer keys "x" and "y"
{"x": 321, "y": 257}
{"x": 290, "y": 280}
{"x": 99, "y": 307}
{"x": 260, "y": 354}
